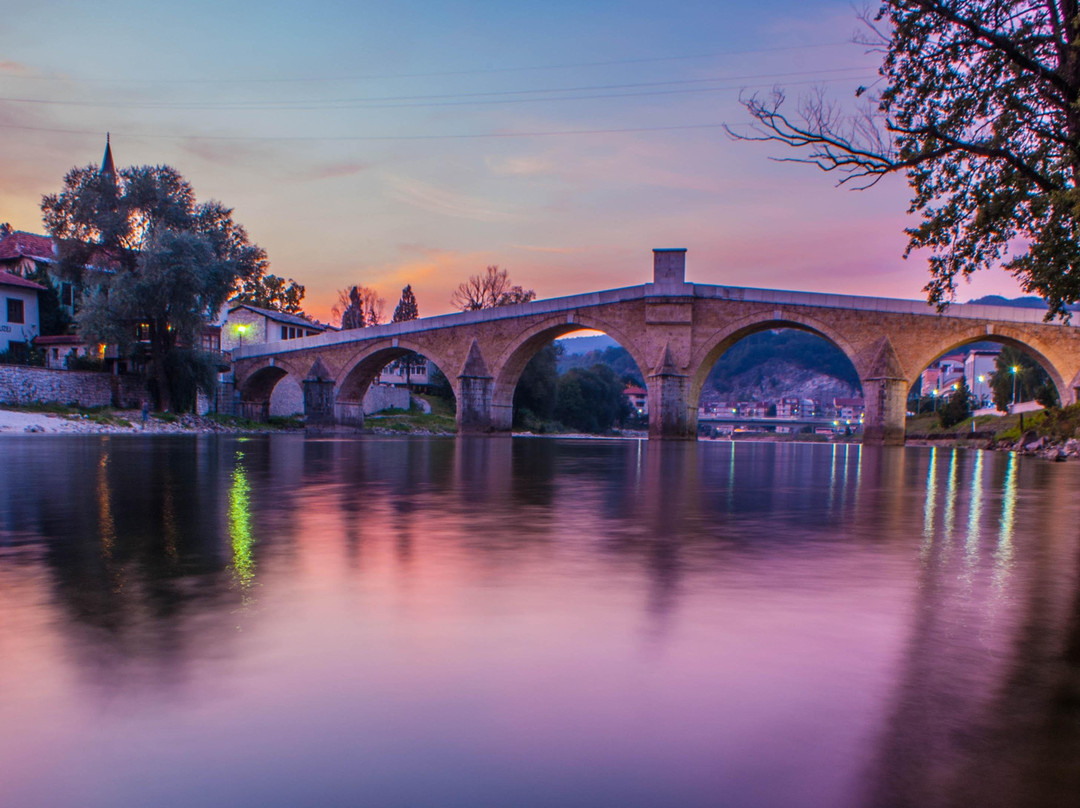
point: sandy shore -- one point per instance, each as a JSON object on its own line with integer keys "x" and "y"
{"x": 17, "y": 422}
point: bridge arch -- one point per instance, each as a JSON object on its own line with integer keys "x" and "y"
{"x": 715, "y": 346}
{"x": 364, "y": 367}
{"x": 257, "y": 387}
{"x": 509, "y": 365}
{"x": 1027, "y": 343}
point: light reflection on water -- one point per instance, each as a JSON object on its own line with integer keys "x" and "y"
{"x": 282, "y": 621}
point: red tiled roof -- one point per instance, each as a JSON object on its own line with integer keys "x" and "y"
{"x": 61, "y": 339}
{"x": 7, "y": 279}
{"x": 633, "y": 391}
{"x": 26, "y": 245}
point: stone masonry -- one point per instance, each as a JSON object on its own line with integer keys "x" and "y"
{"x": 30, "y": 385}
{"x": 675, "y": 331}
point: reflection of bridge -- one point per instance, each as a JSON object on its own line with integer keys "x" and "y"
{"x": 675, "y": 331}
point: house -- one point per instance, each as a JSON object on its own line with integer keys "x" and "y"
{"x": 638, "y": 398}
{"x": 245, "y": 323}
{"x": 848, "y": 410}
{"x": 979, "y": 367}
{"x": 788, "y": 408}
{"x": 61, "y": 350}
{"x": 19, "y": 322}
{"x": 942, "y": 373}
{"x": 411, "y": 371}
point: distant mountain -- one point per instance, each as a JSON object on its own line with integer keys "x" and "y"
{"x": 576, "y": 346}
{"x": 1014, "y": 302}
{"x": 768, "y": 365}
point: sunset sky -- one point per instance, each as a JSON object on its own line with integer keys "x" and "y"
{"x": 417, "y": 142}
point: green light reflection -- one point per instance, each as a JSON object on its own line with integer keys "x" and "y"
{"x": 240, "y": 531}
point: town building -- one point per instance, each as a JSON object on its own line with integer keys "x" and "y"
{"x": 62, "y": 350}
{"x": 848, "y": 410}
{"x": 19, "y": 322}
{"x": 245, "y": 324}
{"x": 979, "y": 367}
{"x": 638, "y": 399}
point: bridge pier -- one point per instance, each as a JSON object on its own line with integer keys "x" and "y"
{"x": 669, "y": 409}
{"x": 886, "y": 412}
{"x": 885, "y": 396}
{"x": 476, "y": 387}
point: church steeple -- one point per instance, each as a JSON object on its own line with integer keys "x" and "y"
{"x": 108, "y": 168}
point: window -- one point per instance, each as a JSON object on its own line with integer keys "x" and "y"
{"x": 67, "y": 294}
{"x": 284, "y": 332}
{"x": 15, "y": 310}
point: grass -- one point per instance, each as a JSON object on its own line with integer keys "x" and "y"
{"x": 1060, "y": 424}
{"x": 406, "y": 422}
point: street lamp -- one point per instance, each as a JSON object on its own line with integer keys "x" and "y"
{"x": 240, "y": 329}
{"x": 934, "y": 395}
{"x": 1014, "y": 369}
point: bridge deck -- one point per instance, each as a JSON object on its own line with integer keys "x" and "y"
{"x": 555, "y": 305}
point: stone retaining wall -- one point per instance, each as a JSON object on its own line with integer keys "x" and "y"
{"x": 29, "y": 385}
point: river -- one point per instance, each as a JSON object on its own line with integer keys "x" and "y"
{"x": 280, "y": 621}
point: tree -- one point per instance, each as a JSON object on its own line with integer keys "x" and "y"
{"x": 52, "y": 317}
{"x": 978, "y": 107}
{"x": 489, "y": 290}
{"x": 358, "y": 307}
{"x": 537, "y": 389}
{"x": 1032, "y": 383}
{"x": 171, "y": 262}
{"x": 957, "y": 407}
{"x": 591, "y": 400}
{"x": 406, "y": 308}
{"x": 271, "y": 292}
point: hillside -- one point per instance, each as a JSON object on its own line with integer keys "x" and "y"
{"x": 768, "y": 365}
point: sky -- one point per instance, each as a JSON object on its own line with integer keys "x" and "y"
{"x": 418, "y": 142}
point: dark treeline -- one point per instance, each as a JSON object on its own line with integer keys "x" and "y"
{"x": 584, "y": 398}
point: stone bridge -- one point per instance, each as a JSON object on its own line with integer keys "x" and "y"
{"x": 674, "y": 330}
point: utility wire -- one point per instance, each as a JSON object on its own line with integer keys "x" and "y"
{"x": 434, "y": 74}
{"x": 405, "y": 102}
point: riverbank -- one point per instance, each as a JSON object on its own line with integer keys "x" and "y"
{"x": 56, "y": 419}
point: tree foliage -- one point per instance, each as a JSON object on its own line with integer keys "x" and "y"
{"x": 978, "y": 107}
{"x": 52, "y": 317}
{"x": 170, "y": 262}
{"x": 538, "y": 386}
{"x": 1032, "y": 382}
{"x": 591, "y": 400}
{"x": 271, "y": 292}
{"x": 359, "y": 307}
{"x": 406, "y": 308}
{"x": 957, "y": 407}
{"x": 490, "y": 289}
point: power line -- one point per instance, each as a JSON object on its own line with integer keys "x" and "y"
{"x": 291, "y": 138}
{"x": 441, "y": 73}
{"x": 448, "y": 99}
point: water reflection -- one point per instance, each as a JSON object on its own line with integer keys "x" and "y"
{"x": 447, "y": 622}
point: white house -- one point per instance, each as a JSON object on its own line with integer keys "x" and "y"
{"x": 245, "y": 324}
{"x": 18, "y": 310}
